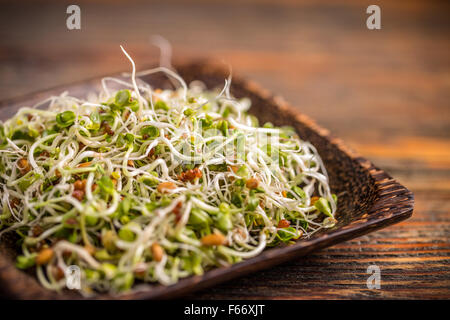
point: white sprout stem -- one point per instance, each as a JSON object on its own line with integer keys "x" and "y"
{"x": 121, "y": 181}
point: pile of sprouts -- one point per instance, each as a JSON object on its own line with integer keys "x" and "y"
{"x": 150, "y": 185}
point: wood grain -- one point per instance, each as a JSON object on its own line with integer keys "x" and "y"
{"x": 385, "y": 93}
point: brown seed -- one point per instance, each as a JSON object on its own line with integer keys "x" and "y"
{"x": 126, "y": 114}
{"x": 283, "y": 223}
{"x": 314, "y": 199}
{"x": 57, "y": 173}
{"x": 78, "y": 194}
{"x": 71, "y": 221}
{"x": 14, "y": 203}
{"x": 84, "y": 164}
{"x": 215, "y": 239}
{"x": 58, "y": 273}
{"x": 262, "y": 203}
{"x": 166, "y": 186}
{"x": 197, "y": 173}
{"x": 37, "y": 230}
{"x": 23, "y": 166}
{"x": 252, "y": 183}
{"x": 90, "y": 249}
{"x": 190, "y": 175}
{"x": 284, "y": 193}
{"x": 140, "y": 270}
{"x": 130, "y": 163}
{"x": 78, "y": 185}
{"x": 44, "y": 154}
{"x": 107, "y": 128}
{"x": 44, "y": 256}
{"x": 67, "y": 254}
{"x": 157, "y": 252}
{"x": 177, "y": 211}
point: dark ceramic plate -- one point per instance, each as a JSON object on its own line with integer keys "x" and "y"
{"x": 370, "y": 199}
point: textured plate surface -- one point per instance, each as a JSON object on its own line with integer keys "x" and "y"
{"x": 369, "y": 198}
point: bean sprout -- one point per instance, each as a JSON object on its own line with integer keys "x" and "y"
{"x": 150, "y": 185}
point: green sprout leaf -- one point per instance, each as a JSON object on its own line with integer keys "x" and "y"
{"x": 65, "y": 119}
{"x": 224, "y": 222}
{"x": 199, "y": 218}
{"x": 96, "y": 122}
{"x": 287, "y": 234}
{"x": 298, "y": 191}
{"x": 253, "y": 203}
{"x": 150, "y": 132}
{"x": 126, "y": 234}
{"x": 122, "y": 98}
{"x": 323, "y": 206}
{"x": 160, "y": 105}
{"x": 24, "y": 262}
{"x": 106, "y": 185}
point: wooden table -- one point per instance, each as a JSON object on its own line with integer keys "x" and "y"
{"x": 384, "y": 92}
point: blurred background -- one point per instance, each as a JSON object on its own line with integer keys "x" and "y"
{"x": 384, "y": 92}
